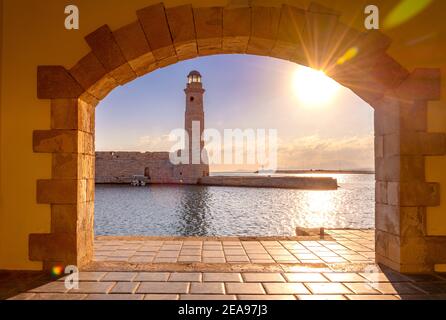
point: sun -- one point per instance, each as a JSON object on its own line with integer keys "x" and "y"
{"x": 313, "y": 88}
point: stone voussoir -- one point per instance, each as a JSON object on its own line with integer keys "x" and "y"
{"x": 209, "y": 30}
{"x": 182, "y": 30}
{"x": 264, "y": 28}
{"x": 135, "y": 48}
{"x": 318, "y": 35}
{"x": 107, "y": 50}
{"x": 289, "y": 44}
{"x": 156, "y": 28}
{"x": 93, "y": 77}
{"x": 55, "y": 82}
{"x": 236, "y": 29}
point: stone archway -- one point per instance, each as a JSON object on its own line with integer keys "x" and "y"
{"x": 312, "y": 37}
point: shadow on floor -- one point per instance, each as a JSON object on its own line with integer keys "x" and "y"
{"x": 13, "y": 283}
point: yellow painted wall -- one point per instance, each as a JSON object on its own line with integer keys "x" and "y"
{"x": 33, "y": 34}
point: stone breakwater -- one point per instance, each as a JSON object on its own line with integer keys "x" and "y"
{"x": 120, "y": 167}
{"x": 304, "y": 183}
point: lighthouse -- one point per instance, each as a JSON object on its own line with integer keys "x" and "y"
{"x": 194, "y": 117}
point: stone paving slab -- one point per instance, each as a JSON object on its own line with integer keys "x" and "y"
{"x": 339, "y": 268}
{"x": 340, "y": 246}
{"x": 243, "y": 286}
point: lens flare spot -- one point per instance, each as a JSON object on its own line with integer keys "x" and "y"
{"x": 348, "y": 55}
{"x": 404, "y": 11}
{"x": 57, "y": 271}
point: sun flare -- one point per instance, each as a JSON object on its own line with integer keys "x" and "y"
{"x": 312, "y": 87}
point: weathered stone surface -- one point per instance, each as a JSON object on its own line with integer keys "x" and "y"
{"x": 355, "y": 73}
{"x": 388, "y": 72}
{"x": 388, "y": 219}
{"x": 209, "y": 29}
{"x": 132, "y": 41}
{"x": 154, "y": 24}
{"x": 317, "y": 37}
{"x": 65, "y": 165}
{"x": 182, "y": 29}
{"x": 381, "y": 192}
{"x": 53, "y": 247}
{"x": 93, "y": 77}
{"x": 388, "y": 247}
{"x": 63, "y": 191}
{"x": 135, "y": 48}
{"x": 72, "y": 114}
{"x": 55, "y": 82}
{"x": 379, "y": 146}
{"x": 236, "y": 29}
{"x": 123, "y": 74}
{"x": 289, "y": 43}
{"x": 64, "y": 114}
{"x": 414, "y": 194}
{"x": 265, "y": 25}
{"x": 422, "y": 84}
{"x": 64, "y": 218}
{"x": 400, "y": 168}
{"x": 55, "y": 141}
{"x": 72, "y": 166}
{"x": 105, "y": 48}
{"x": 415, "y": 143}
{"x": 86, "y": 143}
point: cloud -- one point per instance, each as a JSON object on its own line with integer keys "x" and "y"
{"x": 314, "y": 152}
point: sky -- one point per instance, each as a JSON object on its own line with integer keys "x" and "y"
{"x": 242, "y": 92}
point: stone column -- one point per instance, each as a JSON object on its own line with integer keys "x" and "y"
{"x": 70, "y": 191}
{"x": 402, "y": 193}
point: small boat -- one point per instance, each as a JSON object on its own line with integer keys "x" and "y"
{"x": 139, "y": 181}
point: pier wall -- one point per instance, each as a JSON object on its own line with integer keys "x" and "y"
{"x": 304, "y": 183}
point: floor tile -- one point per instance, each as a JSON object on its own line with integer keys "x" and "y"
{"x": 305, "y": 277}
{"x": 207, "y": 288}
{"x": 152, "y": 276}
{"x": 222, "y": 277}
{"x": 185, "y": 277}
{"x": 120, "y": 276}
{"x": 327, "y": 288}
{"x": 263, "y": 277}
{"x": 285, "y": 288}
{"x": 163, "y": 287}
{"x": 244, "y": 288}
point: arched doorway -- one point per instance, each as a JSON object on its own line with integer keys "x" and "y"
{"x": 313, "y": 37}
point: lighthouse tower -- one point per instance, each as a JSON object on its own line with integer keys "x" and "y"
{"x": 197, "y": 166}
{"x": 194, "y": 117}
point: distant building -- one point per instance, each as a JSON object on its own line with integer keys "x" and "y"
{"x": 120, "y": 167}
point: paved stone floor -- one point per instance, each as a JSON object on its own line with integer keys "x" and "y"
{"x": 347, "y": 246}
{"x": 340, "y": 267}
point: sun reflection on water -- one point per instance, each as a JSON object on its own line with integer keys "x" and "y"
{"x": 320, "y": 205}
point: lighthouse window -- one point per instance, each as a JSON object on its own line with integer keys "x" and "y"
{"x": 192, "y": 99}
